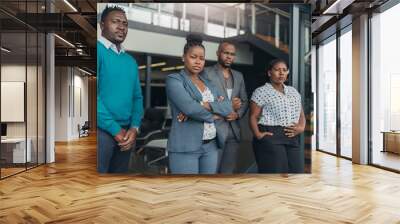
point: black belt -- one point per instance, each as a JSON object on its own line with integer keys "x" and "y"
{"x": 208, "y": 141}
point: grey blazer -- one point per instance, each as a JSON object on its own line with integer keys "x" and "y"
{"x": 214, "y": 75}
{"x": 183, "y": 96}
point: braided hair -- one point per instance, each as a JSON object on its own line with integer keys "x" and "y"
{"x": 193, "y": 40}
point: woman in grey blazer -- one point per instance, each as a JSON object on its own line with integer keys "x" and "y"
{"x": 196, "y": 106}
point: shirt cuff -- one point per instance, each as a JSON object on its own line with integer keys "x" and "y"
{"x": 137, "y": 129}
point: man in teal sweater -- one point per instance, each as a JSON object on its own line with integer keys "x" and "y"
{"x": 119, "y": 96}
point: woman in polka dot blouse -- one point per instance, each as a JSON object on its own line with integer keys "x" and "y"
{"x": 276, "y": 120}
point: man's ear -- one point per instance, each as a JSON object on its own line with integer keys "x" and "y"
{"x": 101, "y": 25}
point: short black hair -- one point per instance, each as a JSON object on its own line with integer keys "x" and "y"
{"x": 225, "y": 41}
{"x": 193, "y": 40}
{"x": 110, "y": 9}
{"x": 276, "y": 61}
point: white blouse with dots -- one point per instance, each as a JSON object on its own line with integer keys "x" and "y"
{"x": 278, "y": 109}
{"x": 210, "y": 131}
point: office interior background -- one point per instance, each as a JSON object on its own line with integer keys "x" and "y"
{"x": 329, "y": 106}
{"x": 48, "y": 78}
{"x": 48, "y": 82}
{"x": 261, "y": 32}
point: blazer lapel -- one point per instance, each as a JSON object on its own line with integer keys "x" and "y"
{"x": 190, "y": 87}
{"x": 236, "y": 86}
{"x": 220, "y": 78}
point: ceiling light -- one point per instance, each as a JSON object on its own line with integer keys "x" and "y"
{"x": 5, "y": 50}
{"x": 64, "y": 40}
{"x": 179, "y": 67}
{"x": 168, "y": 69}
{"x": 70, "y": 5}
{"x": 338, "y": 6}
{"x": 84, "y": 71}
{"x": 153, "y": 65}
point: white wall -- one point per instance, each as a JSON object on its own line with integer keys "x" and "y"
{"x": 33, "y": 127}
{"x": 61, "y": 103}
{"x": 80, "y": 103}
{"x": 169, "y": 45}
{"x": 71, "y": 93}
{"x": 12, "y": 73}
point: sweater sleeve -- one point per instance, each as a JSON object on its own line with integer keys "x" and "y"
{"x": 137, "y": 105}
{"x": 105, "y": 119}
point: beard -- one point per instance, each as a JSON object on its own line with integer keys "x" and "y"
{"x": 223, "y": 64}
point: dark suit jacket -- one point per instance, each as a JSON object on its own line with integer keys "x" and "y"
{"x": 214, "y": 75}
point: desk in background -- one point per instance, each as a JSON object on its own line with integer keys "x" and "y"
{"x": 13, "y": 150}
{"x": 391, "y": 141}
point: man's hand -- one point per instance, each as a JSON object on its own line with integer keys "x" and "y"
{"x": 181, "y": 117}
{"x": 206, "y": 105}
{"x": 217, "y": 117}
{"x": 119, "y": 137}
{"x": 232, "y": 116}
{"x": 236, "y": 103}
{"x": 129, "y": 139}
{"x": 293, "y": 130}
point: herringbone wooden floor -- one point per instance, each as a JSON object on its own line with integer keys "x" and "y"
{"x": 70, "y": 191}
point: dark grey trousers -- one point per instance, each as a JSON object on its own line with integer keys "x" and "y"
{"x": 278, "y": 153}
{"x": 110, "y": 159}
{"x": 228, "y": 157}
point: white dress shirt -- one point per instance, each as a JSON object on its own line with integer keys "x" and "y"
{"x": 108, "y": 44}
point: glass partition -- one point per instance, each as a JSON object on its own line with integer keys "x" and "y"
{"x": 13, "y": 103}
{"x": 385, "y": 89}
{"x": 326, "y": 117}
{"x": 22, "y": 89}
{"x": 346, "y": 93}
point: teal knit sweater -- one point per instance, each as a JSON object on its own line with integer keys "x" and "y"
{"x": 119, "y": 95}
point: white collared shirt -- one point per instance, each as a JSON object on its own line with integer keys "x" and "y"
{"x": 108, "y": 44}
{"x": 278, "y": 109}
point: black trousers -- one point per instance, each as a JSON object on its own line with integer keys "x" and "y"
{"x": 278, "y": 153}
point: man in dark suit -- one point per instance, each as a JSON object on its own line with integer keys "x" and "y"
{"x": 231, "y": 83}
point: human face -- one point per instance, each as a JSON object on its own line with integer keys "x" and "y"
{"x": 194, "y": 60}
{"x": 226, "y": 55}
{"x": 115, "y": 27}
{"x": 279, "y": 73}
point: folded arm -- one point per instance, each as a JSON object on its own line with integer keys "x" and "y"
{"x": 178, "y": 96}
